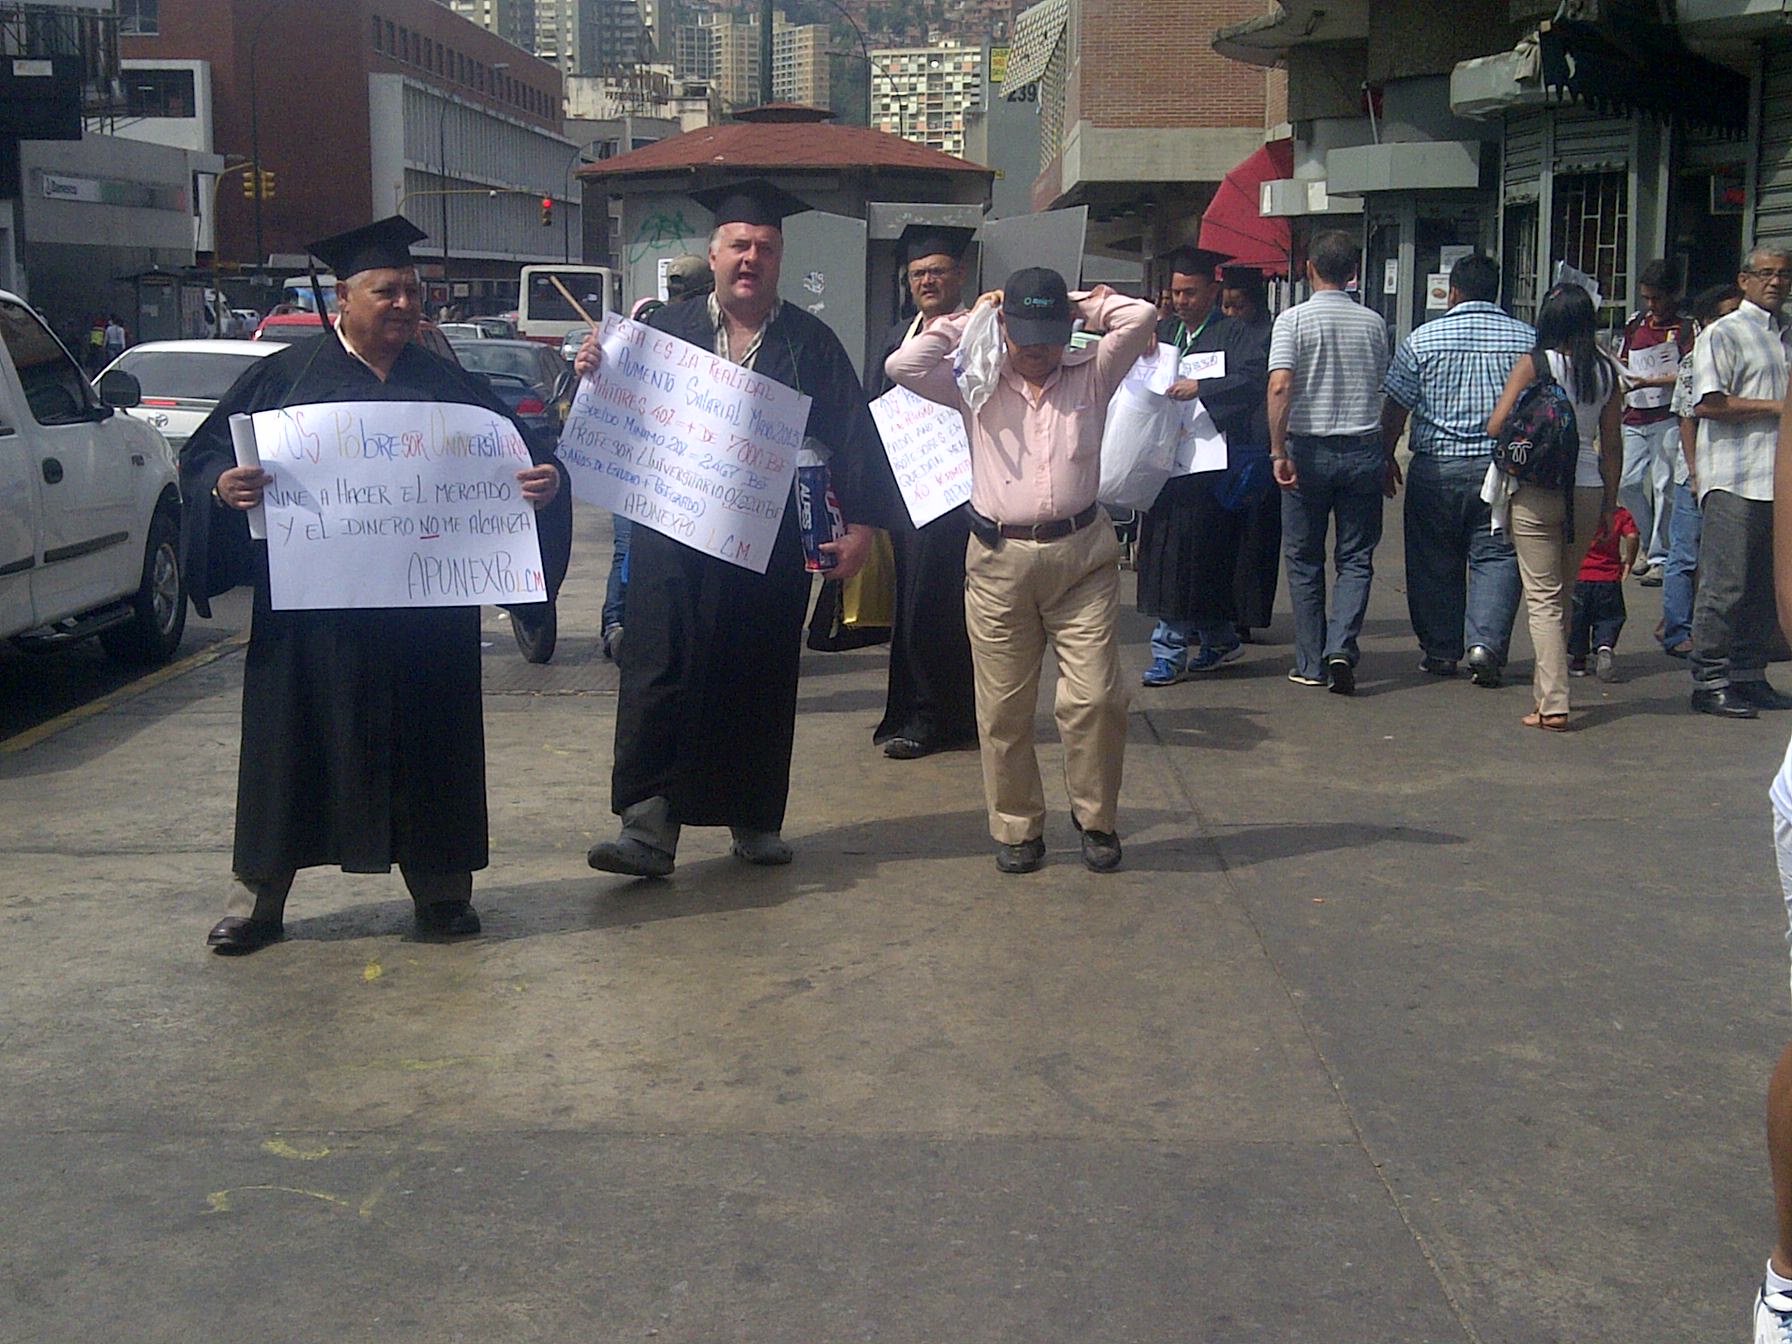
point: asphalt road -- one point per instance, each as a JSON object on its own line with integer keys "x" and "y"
{"x": 1402, "y": 1023}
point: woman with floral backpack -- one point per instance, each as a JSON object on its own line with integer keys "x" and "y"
{"x": 1556, "y": 512}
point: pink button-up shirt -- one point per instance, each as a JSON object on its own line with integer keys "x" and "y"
{"x": 1036, "y": 451}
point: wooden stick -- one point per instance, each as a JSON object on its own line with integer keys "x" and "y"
{"x": 577, "y": 307}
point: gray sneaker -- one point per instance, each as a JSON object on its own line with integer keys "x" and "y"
{"x": 1605, "y": 666}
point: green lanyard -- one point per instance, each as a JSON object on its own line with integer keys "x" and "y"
{"x": 1188, "y": 338}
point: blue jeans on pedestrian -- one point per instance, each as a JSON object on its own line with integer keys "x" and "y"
{"x": 1678, "y": 575}
{"x": 1597, "y": 617}
{"x": 616, "y": 587}
{"x": 1173, "y": 639}
{"x": 1647, "y": 479}
{"x": 1450, "y": 536}
{"x": 1338, "y": 477}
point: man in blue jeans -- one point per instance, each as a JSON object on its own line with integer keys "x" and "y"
{"x": 1446, "y": 377}
{"x": 1327, "y": 358}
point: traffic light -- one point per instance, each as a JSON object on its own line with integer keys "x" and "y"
{"x": 249, "y": 184}
{"x": 267, "y": 184}
{"x": 547, "y": 211}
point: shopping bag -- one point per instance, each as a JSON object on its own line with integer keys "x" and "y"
{"x": 977, "y": 365}
{"x": 1143, "y": 432}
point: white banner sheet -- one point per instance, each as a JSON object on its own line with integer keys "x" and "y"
{"x": 929, "y": 452}
{"x": 396, "y": 504}
{"x": 675, "y": 438}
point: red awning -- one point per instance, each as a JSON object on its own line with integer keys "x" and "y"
{"x": 1231, "y": 224}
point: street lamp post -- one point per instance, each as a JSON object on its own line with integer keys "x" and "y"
{"x": 864, "y": 51}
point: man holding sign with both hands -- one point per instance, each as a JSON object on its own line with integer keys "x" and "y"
{"x": 363, "y": 734}
{"x": 706, "y": 716}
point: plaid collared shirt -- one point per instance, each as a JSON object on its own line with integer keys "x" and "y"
{"x": 1741, "y": 355}
{"x": 1450, "y": 373}
{"x": 751, "y": 353}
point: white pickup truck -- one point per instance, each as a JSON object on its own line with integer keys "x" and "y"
{"x": 89, "y": 505}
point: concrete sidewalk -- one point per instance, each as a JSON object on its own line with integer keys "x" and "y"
{"x": 1401, "y": 1023}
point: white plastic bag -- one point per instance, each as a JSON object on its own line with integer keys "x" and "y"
{"x": 1140, "y": 440}
{"x": 978, "y": 363}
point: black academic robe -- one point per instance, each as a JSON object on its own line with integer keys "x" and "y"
{"x": 363, "y": 739}
{"x": 706, "y": 714}
{"x": 1260, "y": 523}
{"x": 931, "y": 699}
{"x": 1188, "y": 540}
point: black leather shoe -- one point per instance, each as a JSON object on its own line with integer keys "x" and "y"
{"x": 448, "y": 919}
{"x": 906, "y": 749}
{"x": 235, "y": 936}
{"x": 1026, "y": 857}
{"x": 1483, "y": 666}
{"x": 1101, "y": 851}
{"x": 1761, "y": 695}
{"x": 1725, "y": 704}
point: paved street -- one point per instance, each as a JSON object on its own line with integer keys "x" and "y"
{"x": 1402, "y": 1023}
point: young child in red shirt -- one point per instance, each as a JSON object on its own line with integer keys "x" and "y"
{"x": 1599, "y": 598}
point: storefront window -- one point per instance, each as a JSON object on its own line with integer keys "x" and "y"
{"x": 1518, "y": 285}
{"x": 1590, "y": 230}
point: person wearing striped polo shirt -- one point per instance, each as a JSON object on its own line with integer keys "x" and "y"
{"x": 1327, "y": 357}
{"x": 1447, "y": 377}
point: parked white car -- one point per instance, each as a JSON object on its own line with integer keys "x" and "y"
{"x": 89, "y": 505}
{"x": 181, "y": 381}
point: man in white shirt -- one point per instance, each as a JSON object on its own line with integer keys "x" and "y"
{"x": 1738, "y": 391}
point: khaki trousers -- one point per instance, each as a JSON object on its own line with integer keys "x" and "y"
{"x": 1548, "y": 564}
{"x": 1017, "y": 596}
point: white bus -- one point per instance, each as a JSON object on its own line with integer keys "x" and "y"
{"x": 297, "y": 293}
{"x": 543, "y": 311}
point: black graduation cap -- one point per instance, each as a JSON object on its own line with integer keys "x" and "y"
{"x": 385, "y": 243}
{"x": 1197, "y": 261}
{"x": 935, "y": 240}
{"x": 754, "y": 201}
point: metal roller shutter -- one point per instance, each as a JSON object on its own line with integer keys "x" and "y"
{"x": 1521, "y": 164}
{"x": 1773, "y": 169}
{"x": 1585, "y": 143}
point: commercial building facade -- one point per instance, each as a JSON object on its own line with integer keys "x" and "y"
{"x": 1139, "y": 119}
{"x": 1597, "y": 141}
{"x": 419, "y": 111}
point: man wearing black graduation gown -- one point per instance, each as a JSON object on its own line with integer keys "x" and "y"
{"x": 363, "y": 732}
{"x": 1249, "y": 488}
{"x": 706, "y": 716}
{"x": 1188, "y": 540}
{"x": 931, "y": 705}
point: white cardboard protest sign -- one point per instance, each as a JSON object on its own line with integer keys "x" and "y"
{"x": 396, "y": 504}
{"x": 678, "y": 439}
{"x": 929, "y": 452}
{"x": 1653, "y": 361}
{"x": 1203, "y": 364}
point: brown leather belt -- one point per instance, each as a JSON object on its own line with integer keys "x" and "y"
{"x": 1056, "y": 529}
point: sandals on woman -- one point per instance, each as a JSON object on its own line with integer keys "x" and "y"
{"x": 1549, "y": 723}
